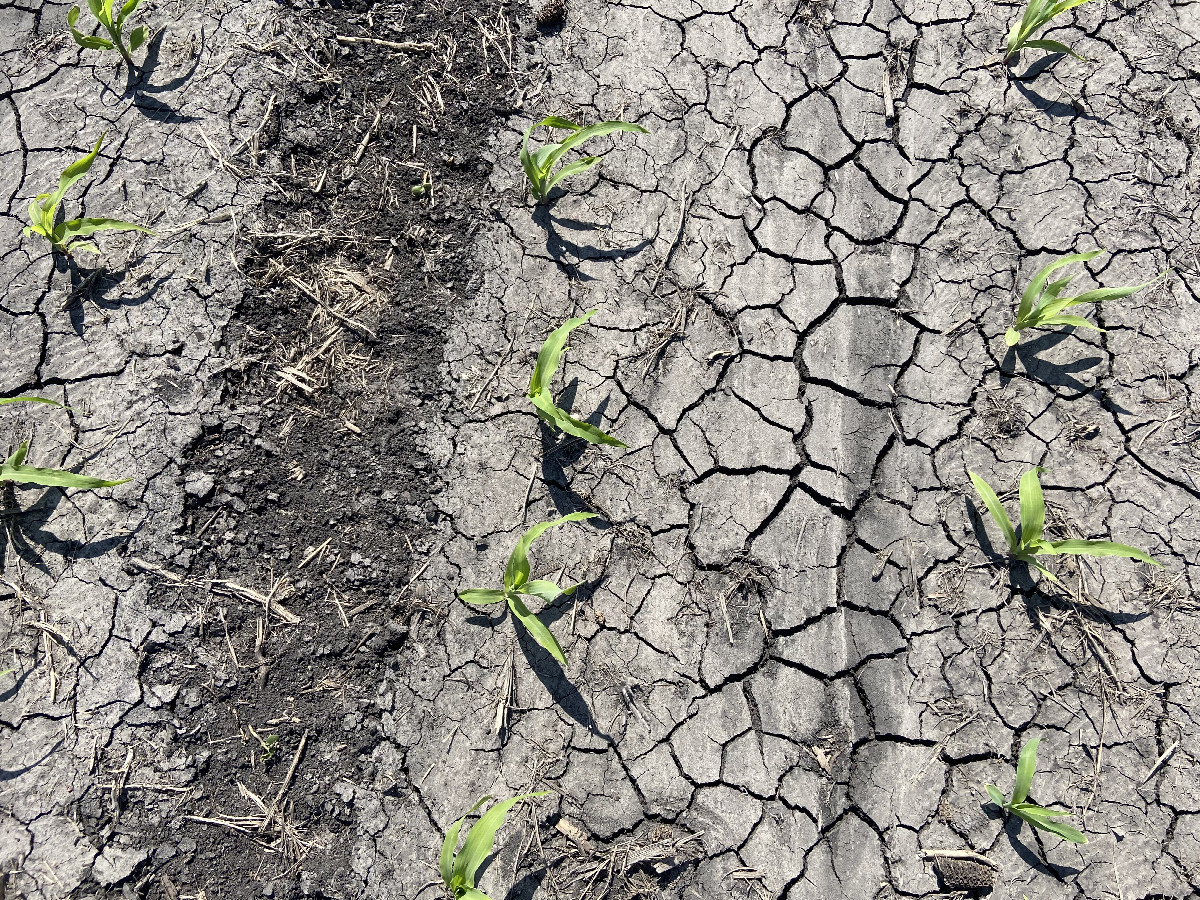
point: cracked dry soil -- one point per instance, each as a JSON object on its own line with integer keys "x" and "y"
{"x": 795, "y": 660}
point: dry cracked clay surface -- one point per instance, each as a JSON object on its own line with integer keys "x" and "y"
{"x": 796, "y": 657}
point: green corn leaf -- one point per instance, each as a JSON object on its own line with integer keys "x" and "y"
{"x": 574, "y": 168}
{"x": 1076, "y": 321}
{"x": 546, "y": 591}
{"x": 1040, "y": 811}
{"x": 1062, "y": 829}
{"x": 78, "y": 228}
{"x": 482, "y": 837}
{"x": 72, "y": 174}
{"x": 125, "y": 13}
{"x": 1033, "y": 507}
{"x": 83, "y": 247}
{"x": 480, "y": 596}
{"x": 87, "y": 41}
{"x": 600, "y": 129}
{"x": 446, "y": 862}
{"x": 535, "y": 627}
{"x": 472, "y": 894}
{"x": 1053, "y": 47}
{"x": 999, "y": 516}
{"x": 551, "y": 353}
{"x": 558, "y": 122}
{"x": 1011, "y": 337}
{"x": 137, "y": 37}
{"x": 1098, "y": 295}
{"x": 1028, "y": 559}
{"x": 531, "y": 171}
{"x": 516, "y": 573}
{"x": 1034, "y": 290}
{"x": 98, "y": 9}
{"x": 995, "y": 795}
{"x": 1096, "y": 548}
{"x": 572, "y": 426}
{"x": 14, "y": 469}
{"x": 6, "y": 400}
{"x": 1026, "y": 766}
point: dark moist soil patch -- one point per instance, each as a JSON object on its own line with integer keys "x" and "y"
{"x": 332, "y": 475}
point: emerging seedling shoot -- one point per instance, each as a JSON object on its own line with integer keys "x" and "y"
{"x": 1041, "y": 306}
{"x": 14, "y": 469}
{"x": 102, "y": 11}
{"x": 1037, "y": 14}
{"x": 516, "y": 583}
{"x": 1018, "y": 805}
{"x": 543, "y": 399}
{"x": 539, "y": 165}
{"x": 458, "y": 869}
{"x": 1028, "y": 544}
{"x": 65, "y": 237}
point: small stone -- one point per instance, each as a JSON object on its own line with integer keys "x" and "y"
{"x": 199, "y": 485}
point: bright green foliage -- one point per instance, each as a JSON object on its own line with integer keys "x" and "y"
{"x": 14, "y": 469}
{"x": 1037, "y": 14}
{"x": 1028, "y": 545}
{"x": 543, "y": 399}
{"x": 516, "y": 583}
{"x": 64, "y": 238}
{"x": 1042, "y": 305}
{"x": 102, "y": 10}
{"x": 539, "y": 165}
{"x": 458, "y": 869}
{"x": 1037, "y": 816}
{"x": 4, "y": 401}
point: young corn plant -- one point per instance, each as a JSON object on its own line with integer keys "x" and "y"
{"x": 1037, "y": 14}
{"x": 1018, "y": 805}
{"x": 1027, "y": 545}
{"x": 65, "y": 237}
{"x": 539, "y": 165}
{"x": 516, "y": 583}
{"x": 102, "y": 11}
{"x": 458, "y": 869}
{"x": 1042, "y": 304}
{"x": 543, "y": 399}
{"x": 14, "y": 469}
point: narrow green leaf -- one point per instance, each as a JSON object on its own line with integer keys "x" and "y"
{"x": 78, "y": 228}
{"x": 999, "y": 516}
{"x": 536, "y": 184}
{"x": 516, "y": 573}
{"x": 97, "y": 8}
{"x": 72, "y": 174}
{"x": 551, "y": 353}
{"x": 22, "y": 474}
{"x": 1053, "y": 47}
{"x": 1033, "y": 507}
{"x": 1030, "y": 561}
{"x": 480, "y": 596}
{"x": 1034, "y": 290}
{"x": 1062, "y": 829}
{"x": 446, "y": 862}
{"x": 535, "y": 627}
{"x": 1076, "y": 321}
{"x": 6, "y": 400}
{"x": 1011, "y": 337}
{"x": 126, "y": 11}
{"x": 994, "y": 794}
{"x": 137, "y": 37}
{"x": 473, "y": 894}
{"x": 1026, "y": 766}
{"x": 558, "y": 122}
{"x": 1042, "y": 811}
{"x": 482, "y": 836}
{"x": 1097, "y": 548}
{"x": 546, "y": 591}
{"x": 575, "y": 168}
{"x": 600, "y": 129}
{"x": 581, "y": 429}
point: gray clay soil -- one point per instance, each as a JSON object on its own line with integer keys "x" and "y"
{"x": 796, "y": 657}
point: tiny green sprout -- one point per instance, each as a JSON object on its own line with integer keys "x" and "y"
{"x": 539, "y": 165}
{"x": 270, "y": 743}
{"x": 1037, "y": 816}
{"x": 4, "y": 401}
{"x": 1041, "y": 305}
{"x": 102, "y": 11}
{"x": 1037, "y": 14}
{"x": 543, "y": 399}
{"x": 64, "y": 238}
{"x": 458, "y": 869}
{"x": 516, "y": 583}
{"x": 1029, "y": 545}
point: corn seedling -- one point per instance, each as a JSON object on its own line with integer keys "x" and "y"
{"x": 1041, "y": 306}
{"x": 539, "y": 165}
{"x": 1028, "y": 544}
{"x": 543, "y": 399}
{"x": 458, "y": 869}
{"x": 64, "y": 237}
{"x": 516, "y": 583}
{"x": 14, "y": 469}
{"x": 102, "y": 11}
{"x": 1037, "y": 14}
{"x": 1017, "y": 804}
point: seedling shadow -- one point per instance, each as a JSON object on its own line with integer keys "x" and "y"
{"x": 85, "y": 282}
{"x": 30, "y": 538}
{"x": 561, "y": 450}
{"x": 10, "y": 774}
{"x": 138, "y": 87}
{"x": 1044, "y": 371}
{"x": 560, "y": 247}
